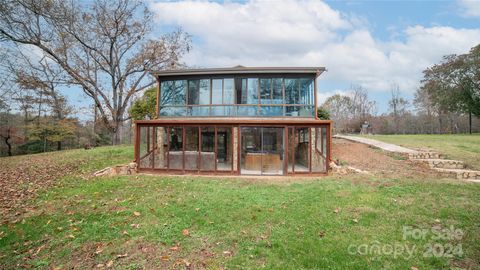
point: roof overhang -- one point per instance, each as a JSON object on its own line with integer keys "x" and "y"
{"x": 233, "y": 121}
{"x": 240, "y": 70}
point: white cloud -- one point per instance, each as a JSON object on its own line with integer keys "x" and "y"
{"x": 469, "y": 8}
{"x": 310, "y": 33}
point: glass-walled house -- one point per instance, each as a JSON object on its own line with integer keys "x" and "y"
{"x": 248, "y": 121}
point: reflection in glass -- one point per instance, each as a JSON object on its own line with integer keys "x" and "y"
{"x": 252, "y": 96}
{"x": 292, "y": 92}
{"x": 217, "y": 85}
{"x": 204, "y": 98}
{"x": 228, "y": 91}
{"x": 306, "y": 91}
{"x": 271, "y": 110}
{"x": 173, "y": 111}
{"x": 265, "y": 91}
{"x": 173, "y": 92}
{"x": 277, "y": 91}
{"x": 193, "y": 92}
{"x": 247, "y": 110}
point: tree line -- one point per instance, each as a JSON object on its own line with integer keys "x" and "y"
{"x": 105, "y": 48}
{"x": 447, "y": 101}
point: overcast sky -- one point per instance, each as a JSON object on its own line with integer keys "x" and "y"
{"x": 370, "y": 43}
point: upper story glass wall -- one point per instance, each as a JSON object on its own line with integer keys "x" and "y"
{"x": 238, "y": 96}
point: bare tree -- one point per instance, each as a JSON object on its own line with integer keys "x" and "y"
{"x": 398, "y": 106}
{"x": 105, "y": 50}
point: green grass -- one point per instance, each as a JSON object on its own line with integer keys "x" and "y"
{"x": 462, "y": 147}
{"x": 237, "y": 223}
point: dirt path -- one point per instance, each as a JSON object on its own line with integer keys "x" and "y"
{"x": 376, "y": 161}
{"x": 382, "y": 145}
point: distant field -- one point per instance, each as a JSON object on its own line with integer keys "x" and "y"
{"x": 160, "y": 222}
{"x": 462, "y": 147}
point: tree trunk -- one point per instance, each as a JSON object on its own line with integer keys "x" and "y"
{"x": 9, "y": 146}
{"x": 59, "y": 146}
{"x": 470, "y": 122}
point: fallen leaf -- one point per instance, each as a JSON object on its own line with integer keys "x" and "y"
{"x": 137, "y": 214}
{"x": 197, "y": 209}
{"x": 174, "y": 248}
{"x": 136, "y": 226}
{"x": 98, "y": 251}
{"x": 164, "y": 258}
{"x": 186, "y": 232}
{"x": 109, "y": 264}
{"x": 355, "y": 220}
{"x": 227, "y": 253}
{"x": 125, "y": 233}
{"x": 437, "y": 220}
{"x": 336, "y": 210}
{"x": 414, "y": 268}
{"x": 100, "y": 265}
{"x": 71, "y": 236}
{"x": 321, "y": 234}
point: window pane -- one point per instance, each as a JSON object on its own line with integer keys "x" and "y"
{"x": 265, "y": 91}
{"x": 204, "y": 98}
{"x": 292, "y": 91}
{"x": 198, "y": 111}
{"x": 224, "y": 149}
{"x": 247, "y": 111}
{"x": 306, "y": 111}
{"x": 292, "y": 110}
{"x": 252, "y": 97}
{"x": 173, "y": 111}
{"x": 193, "y": 92}
{"x": 218, "y": 110}
{"x": 173, "y": 92}
{"x": 228, "y": 91}
{"x": 217, "y": 91}
{"x": 191, "y": 148}
{"x": 271, "y": 110}
{"x": 175, "y": 152}
{"x": 161, "y": 149}
{"x": 241, "y": 88}
{"x": 277, "y": 91}
{"x": 306, "y": 91}
{"x": 207, "y": 162}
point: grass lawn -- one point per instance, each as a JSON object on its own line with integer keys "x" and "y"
{"x": 152, "y": 222}
{"x": 456, "y": 146}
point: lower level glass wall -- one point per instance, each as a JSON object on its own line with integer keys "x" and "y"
{"x": 258, "y": 150}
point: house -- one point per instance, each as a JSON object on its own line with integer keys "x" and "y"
{"x": 235, "y": 121}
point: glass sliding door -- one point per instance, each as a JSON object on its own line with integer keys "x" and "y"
{"x": 207, "y": 153}
{"x": 191, "y": 148}
{"x": 251, "y": 150}
{"x": 272, "y": 151}
{"x": 262, "y": 151}
{"x": 175, "y": 151}
{"x": 224, "y": 149}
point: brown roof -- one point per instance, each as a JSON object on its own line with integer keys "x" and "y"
{"x": 240, "y": 70}
{"x": 235, "y": 120}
